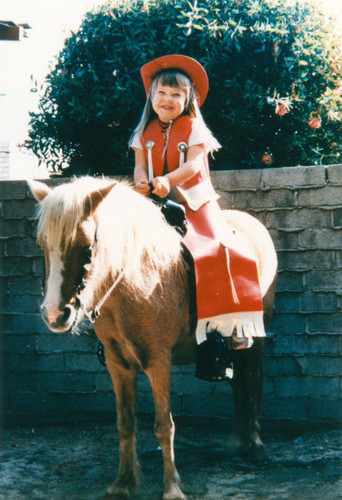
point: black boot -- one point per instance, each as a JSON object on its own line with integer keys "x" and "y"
{"x": 213, "y": 359}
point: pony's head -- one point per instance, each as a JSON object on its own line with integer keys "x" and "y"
{"x": 91, "y": 230}
{"x": 67, "y": 235}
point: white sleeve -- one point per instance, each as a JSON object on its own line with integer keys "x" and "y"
{"x": 136, "y": 142}
{"x": 196, "y": 135}
{"x": 200, "y": 134}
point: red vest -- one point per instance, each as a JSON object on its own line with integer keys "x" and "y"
{"x": 167, "y": 162}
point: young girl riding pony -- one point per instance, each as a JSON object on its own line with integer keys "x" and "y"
{"x": 172, "y": 144}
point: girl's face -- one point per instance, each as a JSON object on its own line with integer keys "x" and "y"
{"x": 168, "y": 102}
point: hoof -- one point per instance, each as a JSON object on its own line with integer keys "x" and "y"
{"x": 179, "y": 496}
{"x": 117, "y": 493}
{"x": 257, "y": 454}
{"x": 234, "y": 445}
{"x": 175, "y": 493}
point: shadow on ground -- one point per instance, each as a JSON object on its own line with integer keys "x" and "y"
{"x": 78, "y": 462}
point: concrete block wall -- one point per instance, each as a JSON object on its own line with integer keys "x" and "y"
{"x": 56, "y": 378}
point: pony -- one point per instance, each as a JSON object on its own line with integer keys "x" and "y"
{"x": 111, "y": 256}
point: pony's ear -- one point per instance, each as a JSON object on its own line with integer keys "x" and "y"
{"x": 95, "y": 198}
{"x": 38, "y": 189}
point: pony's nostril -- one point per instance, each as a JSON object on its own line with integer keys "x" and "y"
{"x": 64, "y": 317}
{"x": 66, "y": 314}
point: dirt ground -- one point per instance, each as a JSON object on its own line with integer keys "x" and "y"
{"x": 78, "y": 462}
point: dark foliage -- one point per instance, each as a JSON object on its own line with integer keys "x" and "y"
{"x": 275, "y": 83}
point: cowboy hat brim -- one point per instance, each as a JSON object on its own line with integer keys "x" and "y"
{"x": 187, "y": 65}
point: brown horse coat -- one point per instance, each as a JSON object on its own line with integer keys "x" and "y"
{"x": 96, "y": 232}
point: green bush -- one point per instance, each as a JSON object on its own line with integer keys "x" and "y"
{"x": 275, "y": 82}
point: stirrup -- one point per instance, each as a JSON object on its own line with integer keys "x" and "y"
{"x": 239, "y": 343}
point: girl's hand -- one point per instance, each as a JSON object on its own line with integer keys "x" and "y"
{"x": 143, "y": 188}
{"x": 161, "y": 186}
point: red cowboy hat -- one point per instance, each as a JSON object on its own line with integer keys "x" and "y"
{"x": 187, "y": 65}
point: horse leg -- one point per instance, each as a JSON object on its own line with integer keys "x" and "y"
{"x": 160, "y": 378}
{"x": 247, "y": 385}
{"x": 124, "y": 377}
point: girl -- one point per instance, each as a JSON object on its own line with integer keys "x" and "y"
{"x": 172, "y": 144}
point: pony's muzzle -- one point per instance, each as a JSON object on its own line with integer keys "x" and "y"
{"x": 60, "y": 321}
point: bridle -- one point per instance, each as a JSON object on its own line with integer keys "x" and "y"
{"x": 95, "y": 312}
{"x": 80, "y": 286}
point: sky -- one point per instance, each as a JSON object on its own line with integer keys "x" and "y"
{"x": 51, "y": 22}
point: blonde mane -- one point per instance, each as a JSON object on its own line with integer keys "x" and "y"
{"x": 132, "y": 235}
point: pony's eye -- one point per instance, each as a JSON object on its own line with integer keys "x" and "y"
{"x": 86, "y": 253}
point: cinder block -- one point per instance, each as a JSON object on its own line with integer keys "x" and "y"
{"x": 15, "y": 266}
{"x": 317, "y": 387}
{"x": 320, "y": 238}
{"x": 145, "y": 404}
{"x": 90, "y": 403}
{"x": 103, "y": 382}
{"x": 290, "y": 281}
{"x": 334, "y": 174}
{"x": 304, "y": 345}
{"x": 38, "y": 266}
{"x": 327, "y": 409}
{"x": 288, "y": 324}
{"x": 20, "y": 228}
{"x": 36, "y": 403}
{"x": 176, "y": 405}
{"x": 323, "y": 280}
{"x": 318, "y": 302}
{"x": 13, "y": 190}
{"x": 285, "y": 240}
{"x": 189, "y": 384}
{"x": 14, "y": 210}
{"x": 82, "y": 362}
{"x": 28, "y": 323}
{"x": 274, "y": 198}
{"x": 298, "y": 218}
{"x": 217, "y": 406}
{"x": 66, "y": 382}
{"x": 337, "y": 259}
{"x": 305, "y": 260}
{"x": 18, "y": 343}
{"x": 328, "y": 196}
{"x": 27, "y": 285}
{"x": 324, "y": 323}
{"x": 294, "y": 176}
{"x": 231, "y": 180}
{"x": 281, "y": 408}
{"x": 59, "y": 343}
{"x": 337, "y": 218}
{"x": 34, "y": 362}
{"x": 288, "y": 302}
{"x": 327, "y": 366}
{"x": 16, "y": 382}
{"x": 276, "y": 367}
{"x": 21, "y": 303}
{"x": 15, "y": 247}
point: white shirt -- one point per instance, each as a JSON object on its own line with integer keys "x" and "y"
{"x": 199, "y": 135}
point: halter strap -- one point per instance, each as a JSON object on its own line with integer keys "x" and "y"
{"x": 95, "y": 313}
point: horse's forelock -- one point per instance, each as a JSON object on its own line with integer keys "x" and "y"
{"x": 61, "y": 211}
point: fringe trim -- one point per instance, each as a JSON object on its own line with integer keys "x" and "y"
{"x": 247, "y": 324}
